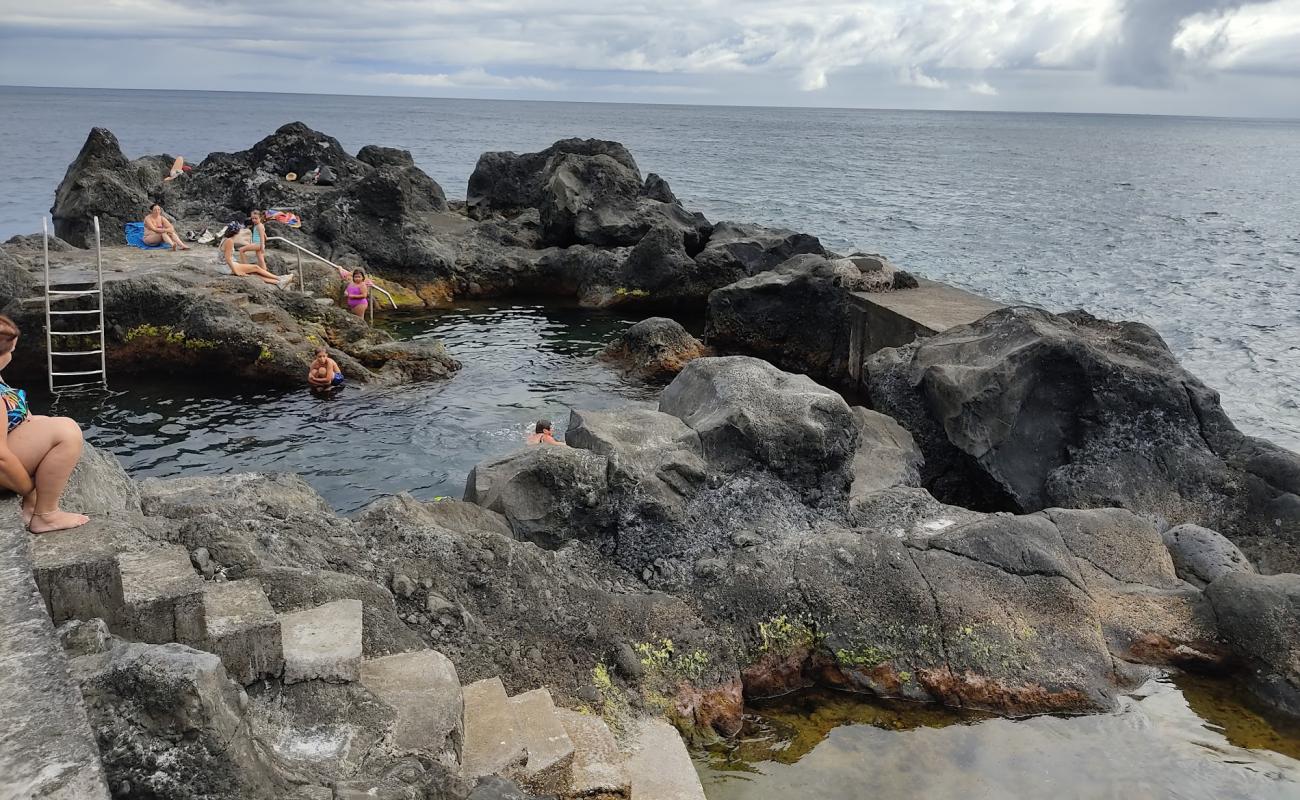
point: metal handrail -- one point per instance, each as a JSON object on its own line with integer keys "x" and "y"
{"x": 98, "y": 292}
{"x": 300, "y": 249}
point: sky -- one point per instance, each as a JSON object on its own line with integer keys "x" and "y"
{"x": 1195, "y": 57}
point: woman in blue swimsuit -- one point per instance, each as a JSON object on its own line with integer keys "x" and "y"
{"x": 37, "y": 454}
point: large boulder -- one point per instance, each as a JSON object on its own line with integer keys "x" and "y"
{"x": 887, "y": 455}
{"x": 1202, "y": 556}
{"x": 1024, "y": 409}
{"x": 1259, "y": 615}
{"x": 510, "y": 182}
{"x": 101, "y": 182}
{"x": 654, "y": 349}
{"x": 547, "y": 493}
{"x": 737, "y": 250}
{"x": 796, "y": 315}
{"x": 750, "y": 414}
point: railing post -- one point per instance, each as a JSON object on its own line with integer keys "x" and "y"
{"x": 302, "y": 287}
{"x": 49, "y": 337}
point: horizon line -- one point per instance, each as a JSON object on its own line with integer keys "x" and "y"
{"x": 666, "y": 104}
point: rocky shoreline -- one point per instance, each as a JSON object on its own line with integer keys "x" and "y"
{"x": 1036, "y": 512}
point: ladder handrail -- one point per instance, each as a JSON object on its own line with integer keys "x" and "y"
{"x": 325, "y": 260}
{"x": 50, "y": 333}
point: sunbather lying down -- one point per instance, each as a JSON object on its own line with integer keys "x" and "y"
{"x": 178, "y": 169}
{"x": 237, "y": 235}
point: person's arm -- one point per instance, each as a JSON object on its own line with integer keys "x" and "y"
{"x": 151, "y": 227}
{"x": 343, "y": 274}
{"x": 13, "y": 475}
{"x": 334, "y": 367}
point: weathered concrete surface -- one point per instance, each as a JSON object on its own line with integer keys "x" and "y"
{"x": 492, "y": 741}
{"x": 243, "y": 629}
{"x": 659, "y": 767}
{"x": 422, "y": 687}
{"x": 47, "y": 749}
{"x": 892, "y": 319}
{"x": 77, "y": 571}
{"x": 598, "y": 766}
{"x": 550, "y": 751}
{"x": 162, "y": 596}
{"x": 322, "y": 643}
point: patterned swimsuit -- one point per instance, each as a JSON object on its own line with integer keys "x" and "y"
{"x": 15, "y": 403}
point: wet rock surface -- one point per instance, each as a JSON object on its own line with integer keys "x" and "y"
{"x": 655, "y": 349}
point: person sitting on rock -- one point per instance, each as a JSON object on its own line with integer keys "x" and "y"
{"x": 226, "y": 255}
{"x": 542, "y": 433}
{"x": 358, "y": 290}
{"x": 325, "y": 371}
{"x": 257, "y": 241}
{"x": 37, "y": 454}
{"x": 178, "y": 169}
{"x": 159, "y": 230}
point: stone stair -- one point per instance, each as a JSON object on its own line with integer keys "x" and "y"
{"x": 154, "y": 595}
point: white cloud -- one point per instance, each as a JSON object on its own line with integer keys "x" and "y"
{"x": 778, "y": 49}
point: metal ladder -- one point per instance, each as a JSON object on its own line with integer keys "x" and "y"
{"x": 66, "y": 290}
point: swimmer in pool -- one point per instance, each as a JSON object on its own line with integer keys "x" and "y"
{"x": 542, "y": 433}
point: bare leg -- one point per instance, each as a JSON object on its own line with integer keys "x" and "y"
{"x": 49, "y": 448}
{"x": 152, "y": 237}
{"x": 243, "y": 270}
{"x": 360, "y": 309}
{"x": 178, "y": 166}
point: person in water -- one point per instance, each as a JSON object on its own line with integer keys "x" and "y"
{"x": 257, "y": 241}
{"x": 542, "y": 433}
{"x": 324, "y": 370}
{"x": 226, "y": 255}
{"x": 358, "y": 290}
{"x": 159, "y": 230}
{"x": 37, "y": 454}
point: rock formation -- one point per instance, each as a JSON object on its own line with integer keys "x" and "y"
{"x": 654, "y": 349}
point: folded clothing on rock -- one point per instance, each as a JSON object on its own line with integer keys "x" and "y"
{"x": 135, "y": 237}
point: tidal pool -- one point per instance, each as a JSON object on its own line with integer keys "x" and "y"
{"x": 1182, "y": 737}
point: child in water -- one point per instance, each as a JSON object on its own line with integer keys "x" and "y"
{"x": 542, "y": 433}
{"x": 324, "y": 370}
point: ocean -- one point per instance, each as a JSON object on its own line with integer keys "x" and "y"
{"x": 1191, "y": 225}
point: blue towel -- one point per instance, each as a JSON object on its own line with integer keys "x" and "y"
{"x": 135, "y": 237}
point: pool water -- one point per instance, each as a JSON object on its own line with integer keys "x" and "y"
{"x": 520, "y": 362}
{"x": 1182, "y": 737}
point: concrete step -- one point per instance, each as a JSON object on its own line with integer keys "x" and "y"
{"x": 492, "y": 742}
{"x": 598, "y": 769}
{"x": 322, "y": 643}
{"x": 162, "y": 597}
{"x": 424, "y": 690}
{"x": 658, "y": 765}
{"x": 550, "y": 751}
{"x": 243, "y": 630}
{"x": 77, "y": 573}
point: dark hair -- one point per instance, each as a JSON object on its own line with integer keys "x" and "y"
{"x": 322, "y": 349}
{"x": 8, "y": 334}
{"x": 543, "y": 425}
{"x": 155, "y": 203}
{"x": 357, "y": 272}
{"x": 233, "y": 227}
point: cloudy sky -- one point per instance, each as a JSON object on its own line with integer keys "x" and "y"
{"x": 1217, "y": 57}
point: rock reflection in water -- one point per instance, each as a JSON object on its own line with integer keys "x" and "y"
{"x": 1189, "y": 738}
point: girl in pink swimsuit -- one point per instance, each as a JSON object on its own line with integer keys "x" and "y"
{"x": 358, "y": 291}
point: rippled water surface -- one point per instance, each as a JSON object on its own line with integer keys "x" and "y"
{"x": 1189, "y": 224}
{"x": 1192, "y": 739}
{"x": 521, "y": 362}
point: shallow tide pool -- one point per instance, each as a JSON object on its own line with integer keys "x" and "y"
{"x": 1184, "y": 737}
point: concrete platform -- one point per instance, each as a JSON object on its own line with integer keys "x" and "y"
{"x": 322, "y": 643}
{"x": 598, "y": 767}
{"x": 77, "y": 572}
{"x": 47, "y": 748}
{"x": 424, "y": 690}
{"x": 162, "y": 597}
{"x": 243, "y": 630}
{"x": 892, "y": 319}
{"x": 492, "y": 742}
{"x": 659, "y": 767}
{"x": 550, "y": 751}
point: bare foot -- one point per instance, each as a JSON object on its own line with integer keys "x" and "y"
{"x": 56, "y": 521}
{"x": 29, "y": 508}
{"x": 184, "y": 247}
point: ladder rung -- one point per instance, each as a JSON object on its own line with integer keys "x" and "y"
{"x": 77, "y": 353}
{"x": 83, "y": 372}
{"x": 91, "y": 311}
{"x": 63, "y": 386}
{"x": 71, "y": 292}
{"x": 95, "y": 332}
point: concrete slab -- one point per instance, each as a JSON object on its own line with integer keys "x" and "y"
{"x": 322, "y": 643}
{"x": 162, "y": 597}
{"x": 47, "y": 748}
{"x": 598, "y": 767}
{"x": 659, "y": 766}
{"x": 77, "y": 572}
{"x": 424, "y": 690}
{"x": 243, "y": 630}
{"x": 550, "y": 751}
{"x": 492, "y": 742}
{"x": 892, "y": 319}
